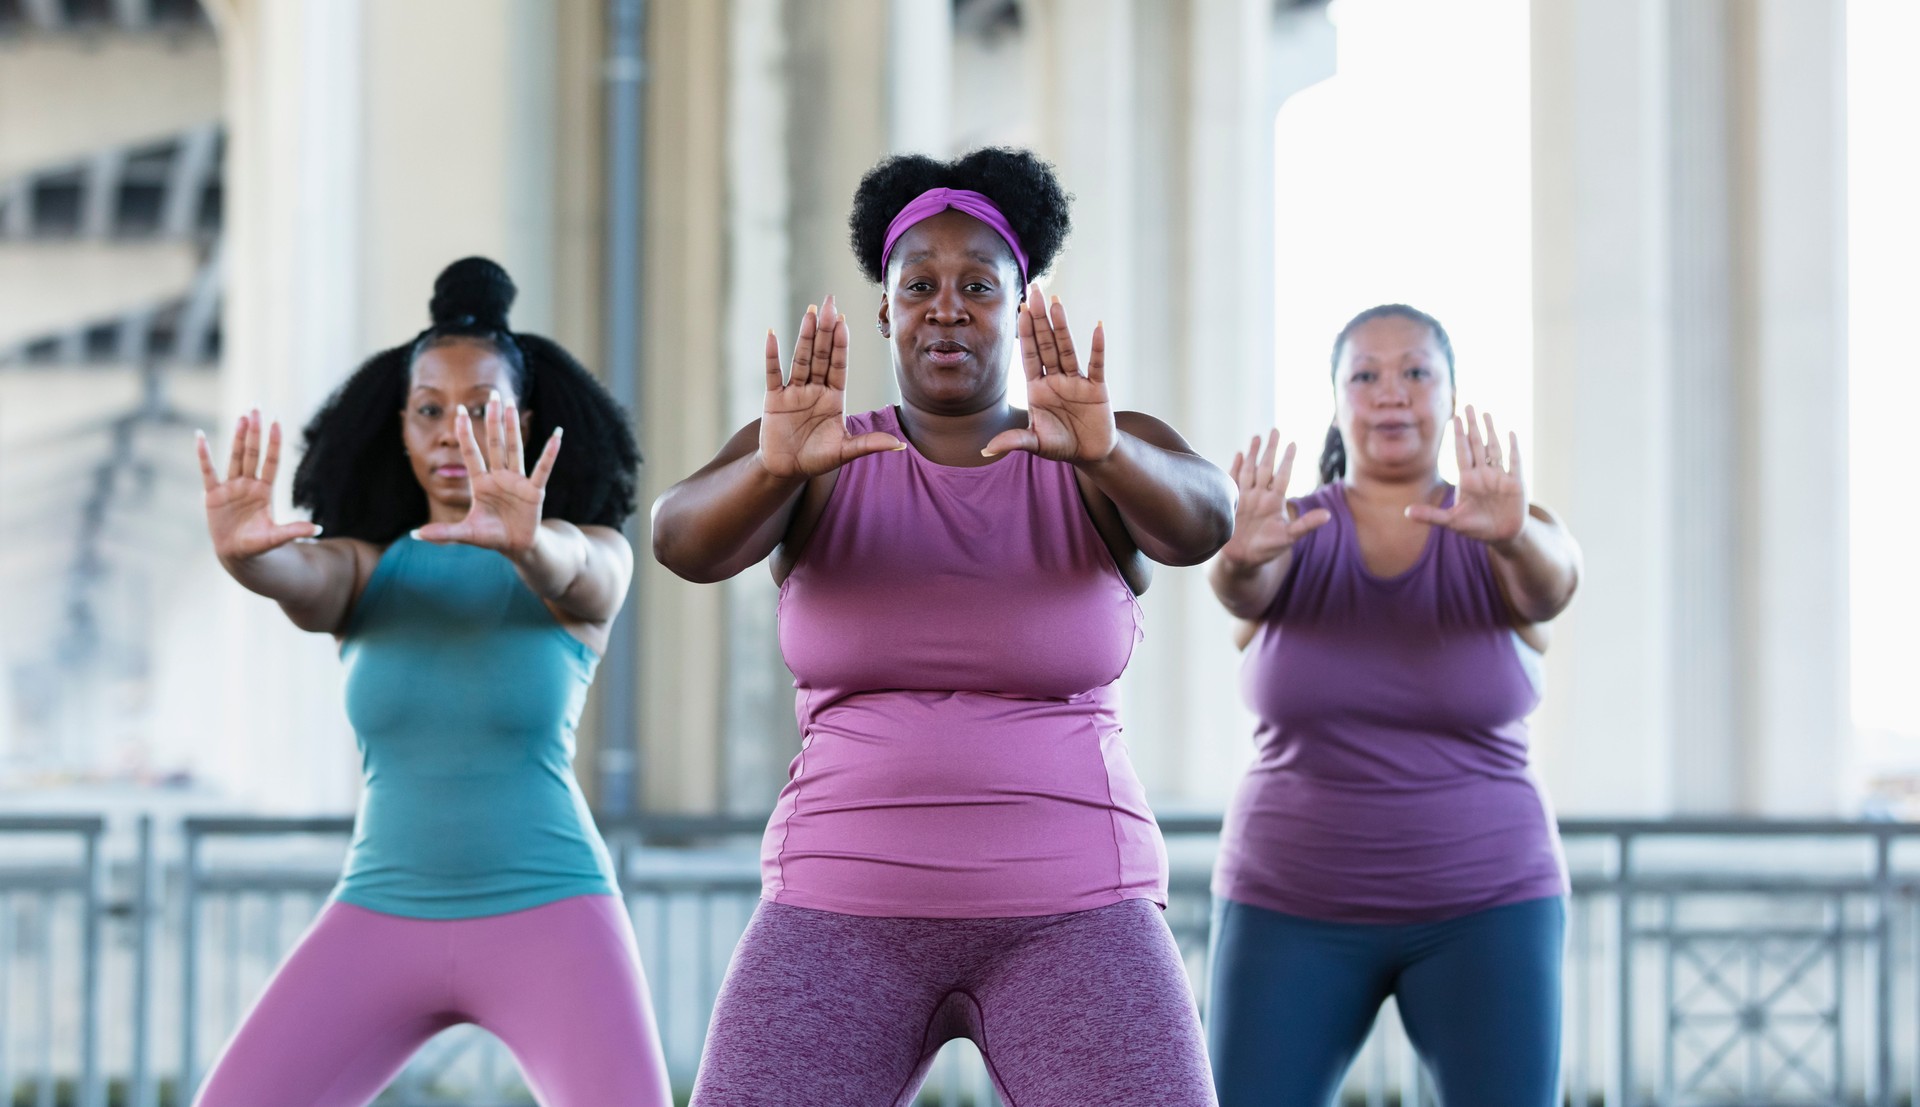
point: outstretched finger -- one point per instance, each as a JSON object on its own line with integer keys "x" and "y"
{"x": 1063, "y": 337}
{"x": 1233, "y": 470}
{"x": 1043, "y": 338}
{"x": 1020, "y": 438}
{"x": 1308, "y": 523}
{"x": 1475, "y": 448}
{"x": 1462, "y": 459}
{"x": 1513, "y": 453}
{"x": 291, "y": 532}
{"x": 872, "y": 442}
{"x": 236, "y": 454}
{"x": 823, "y": 329}
{"x": 1029, "y": 345}
{"x": 250, "y": 460}
{"x": 442, "y": 533}
{"x": 205, "y": 453}
{"x": 837, "y": 358}
{"x": 1285, "y": 476}
{"x": 516, "y": 444}
{"x": 802, "y": 369}
{"x": 469, "y": 447}
{"x": 272, "y": 469}
{"x": 496, "y": 435}
{"x": 1493, "y": 442}
{"x": 1427, "y": 513}
{"x": 1097, "y": 354}
{"x": 774, "y": 380}
{"x": 543, "y": 469}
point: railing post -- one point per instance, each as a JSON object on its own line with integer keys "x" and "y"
{"x": 1883, "y": 962}
{"x": 189, "y": 961}
{"x": 140, "y": 1081}
{"x": 92, "y": 907}
{"x": 1623, "y": 1076}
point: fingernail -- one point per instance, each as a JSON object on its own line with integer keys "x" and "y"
{"x": 414, "y": 533}
{"x": 317, "y": 531}
{"x": 812, "y": 308}
{"x": 900, "y": 447}
{"x": 988, "y": 453}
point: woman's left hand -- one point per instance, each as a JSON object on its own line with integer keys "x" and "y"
{"x": 1069, "y": 413}
{"x": 1491, "y": 502}
{"x": 505, "y": 512}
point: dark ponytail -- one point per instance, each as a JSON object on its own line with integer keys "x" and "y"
{"x": 354, "y": 477}
{"x": 1333, "y": 456}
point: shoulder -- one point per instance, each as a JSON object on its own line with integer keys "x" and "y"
{"x": 1149, "y": 429}
{"x": 880, "y": 418}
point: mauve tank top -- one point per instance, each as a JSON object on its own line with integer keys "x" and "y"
{"x": 1392, "y": 781}
{"x": 955, "y": 635}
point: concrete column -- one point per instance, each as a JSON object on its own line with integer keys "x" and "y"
{"x": 280, "y": 738}
{"x": 1796, "y": 491}
{"x": 1603, "y": 405}
{"x": 684, "y": 644}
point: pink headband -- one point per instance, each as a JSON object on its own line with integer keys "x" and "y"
{"x": 936, "y": 200}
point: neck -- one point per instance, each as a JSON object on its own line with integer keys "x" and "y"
{"x": 957, "y": 439}
{"x": 1401, "y": 490}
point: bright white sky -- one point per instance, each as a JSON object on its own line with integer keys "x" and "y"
{"x": 1406, "y": 178}
{"x": 1883, "y": 92}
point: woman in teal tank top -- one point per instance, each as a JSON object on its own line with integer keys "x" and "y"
{"x": 471, "y": 594}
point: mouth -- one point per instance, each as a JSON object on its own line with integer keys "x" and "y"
{"x": 947, "y": 352}
{"x": 451, "y": 472}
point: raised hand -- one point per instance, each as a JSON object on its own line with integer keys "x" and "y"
{"x": 240, "y": 508}
{"x": 1069, "y": 413}
{"x": 803, "y": 426}
{"x": 1265, "y": 525}
{"x": 505, "y": 512}
{"x": 1491, "y": 502}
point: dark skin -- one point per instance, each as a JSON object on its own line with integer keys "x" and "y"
{"x": 479, "y": 493}
{"x": 954, "y": 314}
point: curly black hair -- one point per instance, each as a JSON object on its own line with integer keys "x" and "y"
{"x": 354, "y": 477}
{"x": 1018, "y": 182}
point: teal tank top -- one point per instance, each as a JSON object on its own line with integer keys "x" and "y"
{"x": 464, "y": 693}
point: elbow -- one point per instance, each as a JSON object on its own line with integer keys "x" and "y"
{"x": 1212, "y": 527}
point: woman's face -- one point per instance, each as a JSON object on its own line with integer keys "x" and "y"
{"x": 949, "y": 311}
{"x": 445, "y": 376}
{"x": 1393, "y": 396}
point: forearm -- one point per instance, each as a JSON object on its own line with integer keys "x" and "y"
{"x": 723, "y": 519}
{"x": 311, "y": 581}
{"x": 570, "y": 569}
{"x": 1538, "y": 569}
{"x": 1245, "y": 589}
{"x": 1177, "y": 506}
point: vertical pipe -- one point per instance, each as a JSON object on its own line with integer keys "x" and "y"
{"x": 618, "y": 748}
{"x": 1623, "y": 1077}
{"x": 1883, "y": 962}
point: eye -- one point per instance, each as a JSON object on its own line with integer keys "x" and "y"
{"x": 981, "y": 288}
{"x": 918, "y": 286}
{"x": 1418, "y": 373}
{"x": 428, "y": 411}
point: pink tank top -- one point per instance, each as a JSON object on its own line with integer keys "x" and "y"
{"x": 955, "y": 635}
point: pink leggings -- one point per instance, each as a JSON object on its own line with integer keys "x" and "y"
{"x": 560, "y": 984}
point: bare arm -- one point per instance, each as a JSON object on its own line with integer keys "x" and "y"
{"x": 1538, "y": 569}
{"x": 735, "y": 510}
{"x": 1176, "y": 504}
{"x": 583, "y": 571}
{"x": 725, "y": 517}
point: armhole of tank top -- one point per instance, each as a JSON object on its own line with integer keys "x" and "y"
{"x": 838, "y": 477}
{"x": 1338, "y": 517}
{"x": 376, "y": 585}
{"x": 1093, "y": 527}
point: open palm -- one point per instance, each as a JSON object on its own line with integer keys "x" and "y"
{"x": 1069, "y": 412}
{"x": 803, "y": 424}
{"x": 505, "y": 512}
{"x": 1265, "y": 525}
{"x": 240, "y": 507}
{"x": 1490, "y": 504}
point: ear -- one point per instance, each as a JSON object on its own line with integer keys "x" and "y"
{"x": 885, "y": 320}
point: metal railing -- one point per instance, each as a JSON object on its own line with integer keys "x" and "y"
{"x": 1708, "y": 962}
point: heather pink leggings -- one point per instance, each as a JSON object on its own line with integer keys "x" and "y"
{"x": 560, "y": 984}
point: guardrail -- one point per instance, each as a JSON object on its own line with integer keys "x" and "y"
{"x": 1708, "y": 962}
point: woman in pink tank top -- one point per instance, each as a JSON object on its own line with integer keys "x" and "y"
{"x": 962, "y": 848}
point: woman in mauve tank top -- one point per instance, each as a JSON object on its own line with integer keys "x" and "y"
{"x": 962, "y": 848}
{"x": 1390, "y": 838}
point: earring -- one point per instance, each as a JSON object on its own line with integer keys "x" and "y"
{"x": 881, "y": 327}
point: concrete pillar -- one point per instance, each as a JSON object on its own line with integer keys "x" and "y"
{"x": 1603, "y": 407}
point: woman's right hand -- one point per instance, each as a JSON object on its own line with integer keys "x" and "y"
{"x": 240, "y": 508}
{"x": 1265, "y": 525}
{"x": 803, "y": 429}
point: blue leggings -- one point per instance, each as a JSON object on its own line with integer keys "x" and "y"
{"x": 1292, "y": 999}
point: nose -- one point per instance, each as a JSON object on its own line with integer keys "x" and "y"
{"x": 948, "y": 307}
